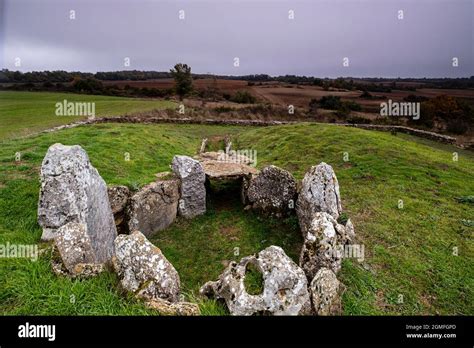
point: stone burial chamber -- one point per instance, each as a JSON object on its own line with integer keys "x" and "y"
{"x": 81, "y": 215}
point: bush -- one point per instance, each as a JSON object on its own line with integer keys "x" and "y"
{"x": 87, "y": 85}
{"x": 457, "y": 127}
{"x": 330, "y": 102}
{"x": 243, "y": 97}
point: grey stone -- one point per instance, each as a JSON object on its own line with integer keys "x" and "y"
{"x": 154, "y": 207}
{"x": 326, "y": 293}
{"x": 284, "y": 286}
{"x": 272, "y": 192}
{"x": 73, "y": 191}
{"x": 118, "y": 198}
{"x": 319, "y": 193}
{"x": 192, "y": 187}
{"x": 74, "y": 245}
{"x": 144, "y": 270}
{"x": 323, "y": 245}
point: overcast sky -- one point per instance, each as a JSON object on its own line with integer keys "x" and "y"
{"x": 151, "y": 34}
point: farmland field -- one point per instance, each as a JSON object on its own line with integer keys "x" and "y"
{"x": 22, "y": 113}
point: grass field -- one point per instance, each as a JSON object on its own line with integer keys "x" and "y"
{"x": 409, "y": 267}
{"x": 22, "y": 113}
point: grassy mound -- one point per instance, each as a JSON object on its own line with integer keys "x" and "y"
{"x": 410, "y": 264}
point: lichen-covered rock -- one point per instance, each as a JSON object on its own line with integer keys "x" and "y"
{"x": 73, "y": 255}
{"x": 272, "y": 192}
{"x": 144, "y": 270}
{"x": 319, "y": 193}
{"x": 74, "y": 245}
{"x": 322, "y": 245}
{"x": 284, "y": 286}
{"x": 192, "y": 187}
{"x": 326, "y": 292}
{"x": 118, "y": 198}
{"x": 73, "y": 191}
{"x": 154, "y": 207}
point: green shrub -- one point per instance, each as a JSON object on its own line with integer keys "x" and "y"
{"x": 243, "y": 97}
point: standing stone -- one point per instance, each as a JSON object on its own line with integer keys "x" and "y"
{"x": 285, "y": 289}
{"x": 193, "y": 191}
{"x": 272, "y": 192}
{"x": 154, "y": 207}
{"x": 73, "y": 191}
{"x": 320, "y": 247}
{"x": 319, "y": 193}
{"x": 144, "y": 270}
{"x": 326, "y": 292}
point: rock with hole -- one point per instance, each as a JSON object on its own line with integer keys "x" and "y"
{"x": 284, "y": 292}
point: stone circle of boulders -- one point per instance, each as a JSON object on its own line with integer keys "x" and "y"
{"x": 192, "y": 190}
{"x": 272, "y": 191}
{"x": 79, "y": 213}
{"x": 285, "y": 290}
{"x": 73, "y": 191}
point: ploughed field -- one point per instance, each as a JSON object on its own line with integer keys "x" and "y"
{"x": 419, "y": 259}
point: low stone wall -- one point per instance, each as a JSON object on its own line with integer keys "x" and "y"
{"x": 257, "y": 123}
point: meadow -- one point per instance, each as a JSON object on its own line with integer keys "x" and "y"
{"x": 23, "y": 113}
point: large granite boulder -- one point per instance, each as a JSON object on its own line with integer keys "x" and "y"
{"x": 144, "y": 270}
{"x": 284, "y": 286}
{"x": 272, "y": 192}
{"x": 319, "y": 193}
{"x": 73, "y": 191}
{"x": 326, "y": 293}
{"x": 192, "y": 187}
{"x": 154, "y": 207}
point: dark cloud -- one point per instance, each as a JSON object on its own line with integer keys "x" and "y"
{"x": 259, "y": 33}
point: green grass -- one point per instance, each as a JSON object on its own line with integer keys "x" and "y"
{"x": 408, "y": 252}
{"x": 23, "y": 113}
